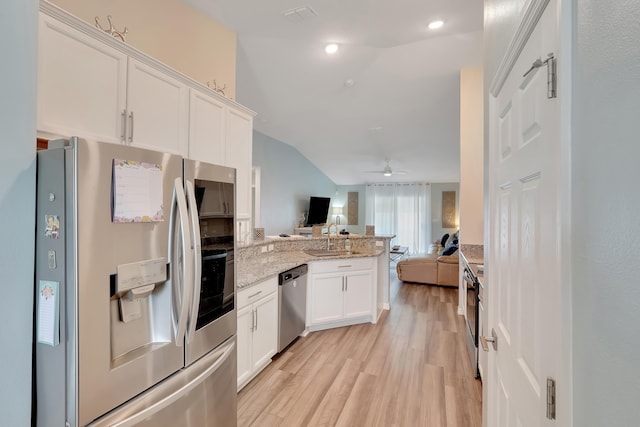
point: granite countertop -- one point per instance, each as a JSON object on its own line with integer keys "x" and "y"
{"x": 270, "y": 264}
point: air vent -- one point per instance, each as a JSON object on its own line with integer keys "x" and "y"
{"x": 299, "y": 13}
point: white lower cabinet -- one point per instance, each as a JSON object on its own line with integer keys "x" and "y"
{"x": 341, "y": 292}
{"x": 257, "y": 328}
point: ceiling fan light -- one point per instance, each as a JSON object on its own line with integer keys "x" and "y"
{"x": 387, "y": 173}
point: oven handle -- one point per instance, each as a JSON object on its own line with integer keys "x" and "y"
{"x": 216, "y": 256}
{"x": 469, "y": 277}
{"x": 197, "y": 259}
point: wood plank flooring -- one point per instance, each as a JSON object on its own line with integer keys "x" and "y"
{"x": 410, "y": 369}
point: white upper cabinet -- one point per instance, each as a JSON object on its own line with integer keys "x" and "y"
{"x": 81, "y": 84}
{"x": 207, "y": 117}
{"x": 157, "y": 110}
{"x": 238, "y": 155}
{"x": 90, "y": 89}
{"x": 223, "y": 135}
{"x": 93, "y": 86}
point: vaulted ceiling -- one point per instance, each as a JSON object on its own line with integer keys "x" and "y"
{"x": 390, "y": 93}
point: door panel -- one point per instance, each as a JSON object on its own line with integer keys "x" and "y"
{"x": 160, "y": 108}
{"x": 265, "y": 334}
{"x": 107, "y": 378}
{"x": 245, "y": 336}
{"x": 326, "y": 297}
{"x": 204, "y": 395}
{"x": 524, "y": 250}
{"x": 358, "y": 294}
{"x": 79, "y": 97}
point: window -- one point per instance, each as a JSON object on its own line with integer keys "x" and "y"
{"x": 403, "y": 210}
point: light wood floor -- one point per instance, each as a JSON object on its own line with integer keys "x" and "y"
{"x": 410, "y": 369}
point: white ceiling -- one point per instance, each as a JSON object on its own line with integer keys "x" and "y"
{"x": 404, "y": 103}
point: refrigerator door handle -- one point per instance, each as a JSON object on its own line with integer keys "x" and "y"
{"x": 197, "y": 258}
{"x": 180, "y": 282}
{"x": 182, "y": 391}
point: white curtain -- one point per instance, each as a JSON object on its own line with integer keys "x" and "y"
{"x": 401, "y": 209}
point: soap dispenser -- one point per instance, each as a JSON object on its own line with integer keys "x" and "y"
{"x": 347, "y": 245}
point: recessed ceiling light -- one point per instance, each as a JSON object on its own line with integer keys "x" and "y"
{"x": 349, "y": 82}
{"x": 435, "y": 25}
{"x": 331, "y": 48}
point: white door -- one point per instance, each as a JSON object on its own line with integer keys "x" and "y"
{"x": 524, "y": 286}
{"x": 81, "y": 84}
{"x": 358, "y": 293}
{"x": 265, "y": 333}
{"x": 238, "y": 155}
{"x": 326, "y": 297}
{"x": 157, "y": 110}
{"x": 244, "y": 338}
{"x": 207, "y": 117}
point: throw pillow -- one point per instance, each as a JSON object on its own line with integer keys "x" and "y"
{"x": 449, "y": 250}
{"x": 443, "y": 240}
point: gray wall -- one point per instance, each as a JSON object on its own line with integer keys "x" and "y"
{"x": 436, "y": 208}
{"x": 288, "y": 179}
{"x": 18, "y": 44}
{"x": 606, "y": 202}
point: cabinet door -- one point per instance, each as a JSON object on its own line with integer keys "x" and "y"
{"x": 238, "y": 155}
{"x": 326, "y": 297}
{"x": 157, "y": 110}
{"x": 245, "y": 333}
{"x": 265, "y": 334}
{"x": 207, "y": 117}
{"x": 358, "y": 295}
{"x": 81, "y": 84}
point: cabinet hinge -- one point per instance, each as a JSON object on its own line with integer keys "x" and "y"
{"x": 551, "y": 398}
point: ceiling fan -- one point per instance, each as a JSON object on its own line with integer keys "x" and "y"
{"x": 387, "y": 171}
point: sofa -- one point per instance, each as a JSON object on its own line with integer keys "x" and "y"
{"x": 436, "y": 268}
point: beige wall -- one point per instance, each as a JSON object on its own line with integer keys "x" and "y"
{"x": 170, "y": 31}
{"x": 471, "y": 157}
{"x": 436, "y": 208}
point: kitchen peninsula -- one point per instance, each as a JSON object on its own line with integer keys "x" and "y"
{"x": 344, "y": 288}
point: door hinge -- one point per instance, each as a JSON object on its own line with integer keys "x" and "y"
{"x": 552, "y": 73}
{"x": 551, "y": 398}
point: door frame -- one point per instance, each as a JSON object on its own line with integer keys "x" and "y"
{"x": 530, "y": 17}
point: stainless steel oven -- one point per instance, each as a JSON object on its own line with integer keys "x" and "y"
{"x": 472, "y": 288}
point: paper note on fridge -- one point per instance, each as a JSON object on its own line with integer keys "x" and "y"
{"x": 48, "y": 313}
{"x": 137, "y": 191}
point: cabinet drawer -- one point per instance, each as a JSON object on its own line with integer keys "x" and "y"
{"x": 339, "y": 265}
{"x": 255, "y": 292}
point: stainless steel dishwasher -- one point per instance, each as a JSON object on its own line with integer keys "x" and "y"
{"x": 292, "y": 305}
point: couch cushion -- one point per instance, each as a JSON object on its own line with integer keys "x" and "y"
{"x": 449, "y": 259}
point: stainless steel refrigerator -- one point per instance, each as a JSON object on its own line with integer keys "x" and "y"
{"x": 135, "y": 289}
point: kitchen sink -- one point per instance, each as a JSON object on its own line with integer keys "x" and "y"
{"x": 328, "y": 252}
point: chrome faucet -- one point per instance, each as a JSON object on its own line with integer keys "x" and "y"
{"x": 329, "y": 234}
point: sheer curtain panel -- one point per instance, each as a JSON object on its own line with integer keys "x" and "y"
{"x": 402, "y": 209}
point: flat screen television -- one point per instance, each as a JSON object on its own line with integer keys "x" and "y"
{"x": 318, "y": 211}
